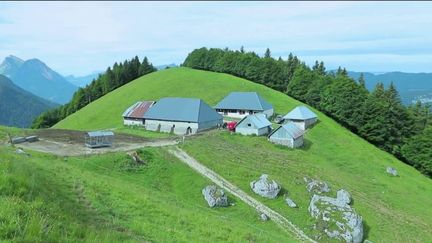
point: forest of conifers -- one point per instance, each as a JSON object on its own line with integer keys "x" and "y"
{"x": 378, "y": 115}
{"x": 118, "y": 75}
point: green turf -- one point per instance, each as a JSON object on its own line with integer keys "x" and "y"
{"x": 395, "y": 209}
{"x": 45, "y": 198}
{"x": 106, "y": 112}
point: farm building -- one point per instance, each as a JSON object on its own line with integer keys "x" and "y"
{"x": 134, "y": 115}
{"x": 241, "y": 104}
{"x": 99, "y": 139}
{"x": 181, "y": 116}
{"x": 288, "y": 134}
{"x": 302, "y": 116}
{"x": 254, "y": 124}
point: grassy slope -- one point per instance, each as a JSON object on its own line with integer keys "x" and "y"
{"x": 394, "y": 209}
{"x": 44, "y": 198}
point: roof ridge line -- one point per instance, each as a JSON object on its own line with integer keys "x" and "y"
{"x": 199, "y": 109}
{"x": 259, "y": 100}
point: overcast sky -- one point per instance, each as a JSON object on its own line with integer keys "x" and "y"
{"x": 82, "y": 37}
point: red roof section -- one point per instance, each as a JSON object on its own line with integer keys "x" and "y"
{"x": 139, "y": 109}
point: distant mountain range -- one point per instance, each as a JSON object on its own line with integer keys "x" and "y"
{"x": 411, "y": 86}
{"x": 164, "y": 66}
{"x": 18, "y": 107}
{"x": 36, "y": 77}
{"x": 82, "y": 81}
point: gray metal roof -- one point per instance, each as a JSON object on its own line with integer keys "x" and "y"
{"x": 258, "y": 119}
{"x": 300, "y": 113}
{"x": 100, "y": 134}
{"x": 244, "y": 101}
{"x": 291, "y": 130}
{"x": 182, "y": 109}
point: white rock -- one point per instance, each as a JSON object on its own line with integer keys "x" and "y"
{"x": 343, "y": 196}
{"x": 392, "y": 171}
{"x": 265, "y": 187}
{"x": 317, "y": 186}
{"x": 214, "y": 196}
{"x": 290, "y": 202}
{"x": 349, "y": 227}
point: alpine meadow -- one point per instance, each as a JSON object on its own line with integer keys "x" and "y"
{"x": 215, "y": 122}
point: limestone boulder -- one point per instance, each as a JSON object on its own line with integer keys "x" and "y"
{"x": 265, "y": 187}
{"x": 214, "y": 196}
{"x": 339, "y": 219}
{"x": 392, "y": 171}
{"x": 316, "y": 186}
{"x": 290, "y": 202}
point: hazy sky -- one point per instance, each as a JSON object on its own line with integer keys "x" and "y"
{"x": 81, "y": 37}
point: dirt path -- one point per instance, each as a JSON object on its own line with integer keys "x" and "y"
{"x": 75, "y": 149}
{"x": 220, "y": 181}
{"x": 71, "y": 143}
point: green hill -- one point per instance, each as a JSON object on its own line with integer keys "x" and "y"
{"x": 45, "y": 198}
{"x": 394, "y": 209}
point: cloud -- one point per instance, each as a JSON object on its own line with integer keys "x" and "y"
{"x": 81, "y": 37}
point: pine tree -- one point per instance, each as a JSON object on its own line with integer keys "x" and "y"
{"x": 362, "y": 80}
{"x": 372, "y": 126}
{"x": 267, "y": 53}
{"x": 418, "y": 151}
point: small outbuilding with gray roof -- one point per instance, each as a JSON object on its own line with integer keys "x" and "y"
{"x": 181, "y": 116}
{"x": 302, "y": 116}
{"x": 254, "y": 124}
{"x": 241, "y": 104}
{"x": 288, "y": 134}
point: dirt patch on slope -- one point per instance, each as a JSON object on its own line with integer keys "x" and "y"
{"x": 71, "y": 143}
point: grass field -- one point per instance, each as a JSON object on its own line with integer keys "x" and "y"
{"x": 179, "y": 82}
{"x": 395, "y": 209}
{"x": 46, "y": 198}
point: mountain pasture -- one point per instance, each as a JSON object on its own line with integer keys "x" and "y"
{"x": 394, "y": 209}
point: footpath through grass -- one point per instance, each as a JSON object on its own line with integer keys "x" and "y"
{"x": 394, "y": 209}
{"x": 103, "y": 198}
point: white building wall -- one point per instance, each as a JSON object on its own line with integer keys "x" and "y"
{"x": 289, "y": 142}
{"x": 264, "y": 131}
{"x": 179, "y": 128}
{"x": 269, "y": 112}
{"x": 237, "y": 114}
{"x": 132, "y": 122}
{"x": 304, "y": 124}
{"x": 210, "y": 124}
{"x": 310, "y": 122}
{"x": 252, "y": 131}
{"x": 298, "y": 142}
{"x": 281, "y": 137}
{"x": 246, "y": 130}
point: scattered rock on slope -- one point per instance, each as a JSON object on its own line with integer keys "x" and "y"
{"x": 265, "y": 187}
{"x": 290, "y": 202}
{"x": 264, "y": 217}
{"x": 215, "y": 197}
{"x": 316, "y": 186}
{"x": 343, "y": 196}
{"x": 336, "y": 217}
{"x": 392, "y": 171}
